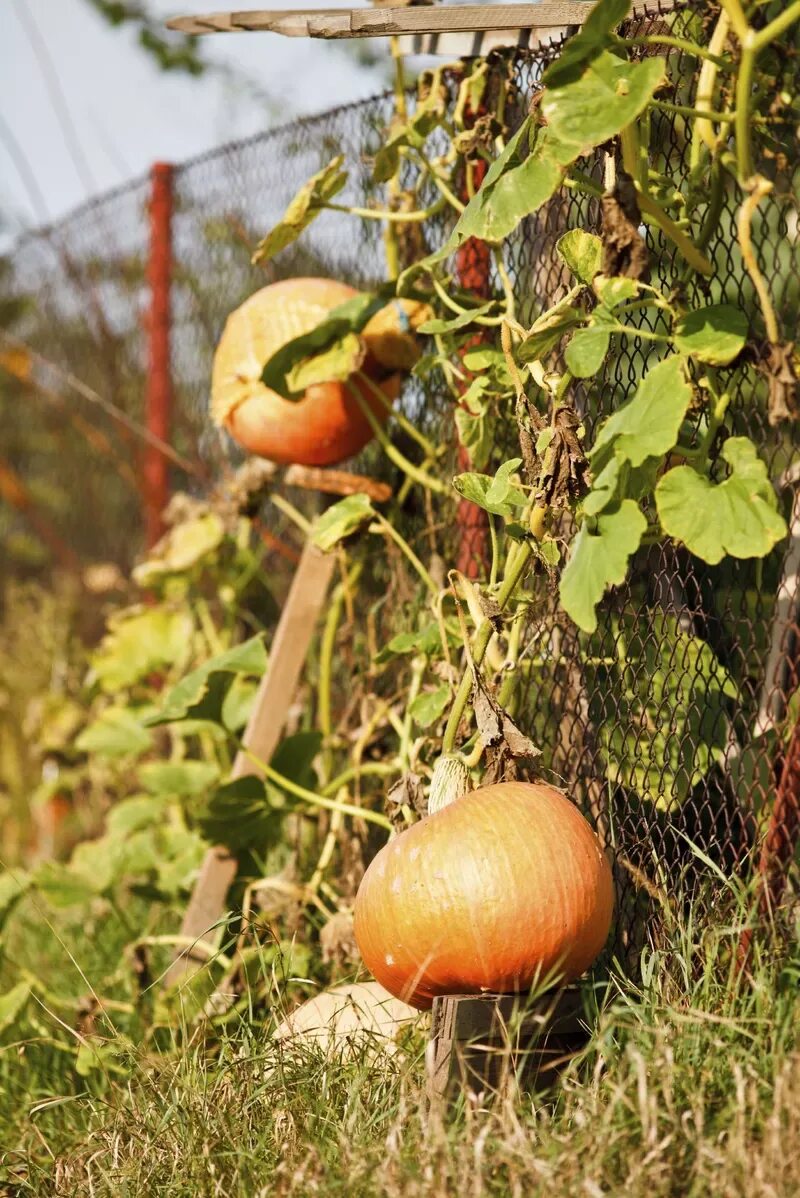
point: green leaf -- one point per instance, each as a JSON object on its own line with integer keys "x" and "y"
{"x": 716, "y": 334}
{"x": 238, "y": 702}
{"x": 665, "y": 721}
{"x": 474, "y": 423}
{"x": 599, "y": 559}
{"x": 502, "y": 491}
{"x": 547, "y": 331}
{"x": 333, "y": 365}
{"x": 177, "y": 778}
{"x": 427, "y": 708}
{"x": 588, "y": 42}
{"x": 129, "y": 815}
{"x": 426, "y": 641}
{"x": 595, "y": 105}
{"x": 139, "y": 643}
{"x": 736, "y": 517}
{"x": 240, "y": 815}
{"x": 184, "y": 546}
{"x": 497, "y": 495}
{"x": 582, "y": 252}
{"x": 648, "y": 425}
{"x": 306, "y": 205}
{"x": 342, "y": 520}
{"x": 13, "y": 1004}
{"x": 294, "y": 758}
{"x": 12, "y": 887}
{"x": 452, "y": 323}
{"x": 115, "y": 733}
{"x": 516, "y": 190}
{"x": 187, "y": 696}
{"x": 604, "y": 488}
{"x": 348, "y": 318}
{"x": 63, "y": 887}
{"x": 614, "y": 290}
{"x": 586, "y": 351}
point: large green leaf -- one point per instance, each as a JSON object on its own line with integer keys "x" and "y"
{"x": 474, "y": 423}
{"x": 588, "y": 42}
{"x": 737, "y": 516}
{"x": 240, "y": 815}
{"x": 115, "y": 733}
{"x": 599, "y": 559}
{"x": 187, "y": 696}
{"x": 283, "y": 372}
{"x": 595, "y": 105}
{"x": 716, "y": 334}
{"x": 342, "y": 520}
{"x": 661, "y": 717}
{"x": 294, "y": 758}
{"x": 306, "y": 205}
{"x": 139, "y": 643}
{"x": 648, "y": 425}
{"x": 514, "y": 192}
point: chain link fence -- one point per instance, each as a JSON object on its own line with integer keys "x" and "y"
{"x": 675, "y": 723}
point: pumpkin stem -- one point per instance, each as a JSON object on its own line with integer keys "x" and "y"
{"x": 449, "y": 782}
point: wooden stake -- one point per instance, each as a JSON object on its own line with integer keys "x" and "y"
{"x": 480, "y": 1042}
{"x": 275, "y": 693}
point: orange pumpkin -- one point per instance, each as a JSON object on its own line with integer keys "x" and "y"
{"x": 324, "y": 426}
{"x": 504, "y": 886}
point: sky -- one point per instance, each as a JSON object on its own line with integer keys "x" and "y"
{"x": 92, "y": 110}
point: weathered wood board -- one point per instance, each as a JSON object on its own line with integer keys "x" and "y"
{"x": 480, "y": 1043}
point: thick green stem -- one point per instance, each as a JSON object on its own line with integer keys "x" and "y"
{"x": 744, "y": 89}
{"x": 385, "y": 213}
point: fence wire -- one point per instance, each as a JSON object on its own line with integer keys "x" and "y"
{"x": 673, "y": 724}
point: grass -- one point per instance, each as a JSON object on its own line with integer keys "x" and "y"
{"x": 690, "y": 1086}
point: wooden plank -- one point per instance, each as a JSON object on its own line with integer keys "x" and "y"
{"x": 276, "y": 690}
{"x": 481, "y": 1042}
{"x": 383, "y": 22}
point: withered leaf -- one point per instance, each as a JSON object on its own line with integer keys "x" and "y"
{"x": 496, "y": 726}
{"x": 782, "y": 379}
{"x": 624, "y": 249}
{"x": 408, "y": 791}
{"x": 565, "y": 466}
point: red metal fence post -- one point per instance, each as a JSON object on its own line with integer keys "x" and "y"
{"x": 158, "y": 398}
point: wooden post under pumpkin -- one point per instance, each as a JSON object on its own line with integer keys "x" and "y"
{"x": 481, "y": 1042}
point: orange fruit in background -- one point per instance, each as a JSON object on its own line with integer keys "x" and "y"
{"x": 326, "y": 424}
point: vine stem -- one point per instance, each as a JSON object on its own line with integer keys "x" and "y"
{"x": 393, "y": 454}
{"x": 420, "y": 215}
{"x": 406, "y": 425}
{"x": 678, "y": 43}
{"x": 483, "y": 633}
{"x": 288, "y": 509}
{"x": 315, "y": 800}
{"x": 327, "y": 646}
{"x": 408, "y": 552}
{"x": 760, "y": 187}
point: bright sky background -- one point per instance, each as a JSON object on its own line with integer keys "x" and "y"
{"x": 126, "y": 113}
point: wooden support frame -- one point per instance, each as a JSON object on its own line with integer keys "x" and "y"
{"x": 482, "y": 1043}
{"x": 390, "y": 22}
{"x": 287, "y": 656}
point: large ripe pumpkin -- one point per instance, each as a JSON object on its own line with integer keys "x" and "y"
{"x": 327, "y": 424}
{"x": 502, "y": 887}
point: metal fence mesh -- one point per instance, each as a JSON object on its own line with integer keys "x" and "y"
{"x": 671, "y": 723}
